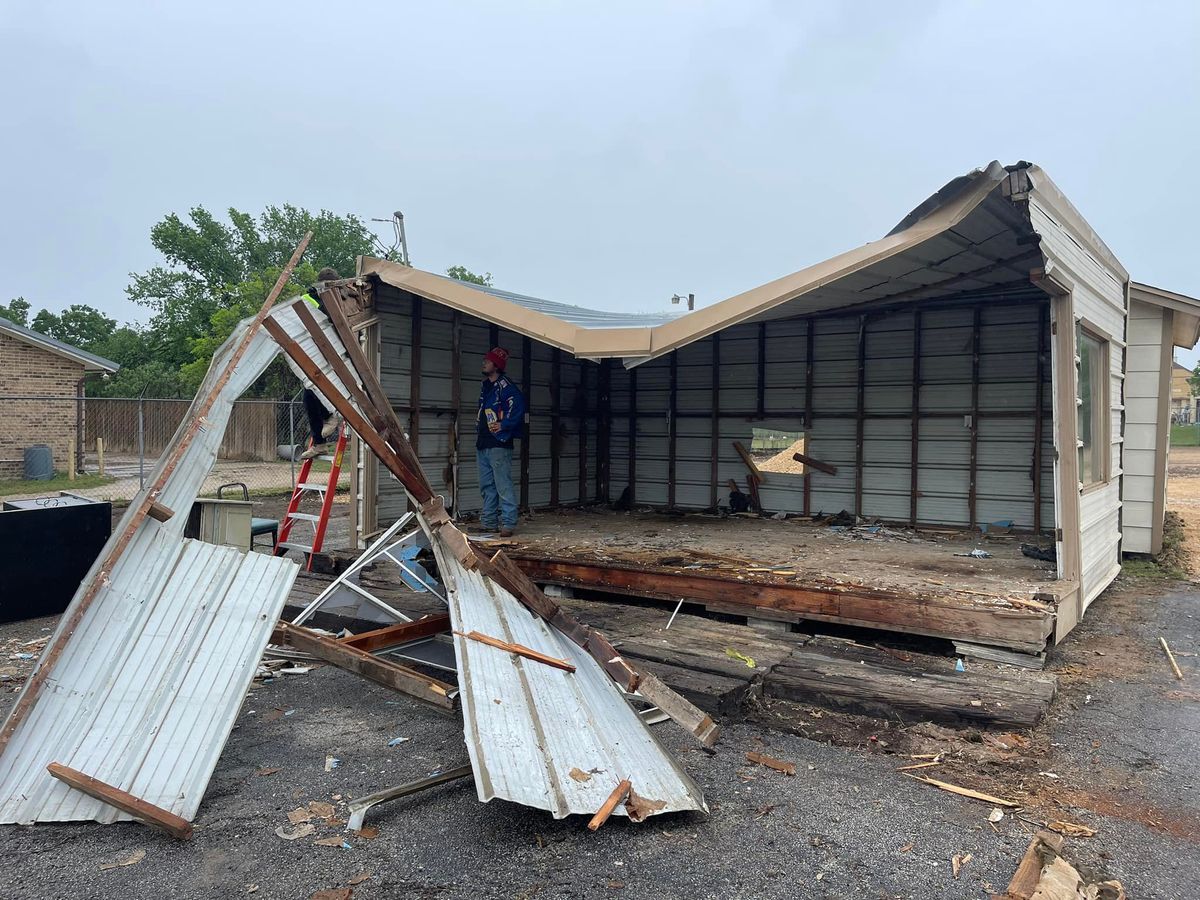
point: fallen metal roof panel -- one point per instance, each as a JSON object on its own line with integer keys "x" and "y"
{"x": 528, "y": 725}
{"x": 147, "y": 688}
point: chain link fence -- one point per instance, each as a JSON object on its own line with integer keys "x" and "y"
{"x": 106, "y": 448}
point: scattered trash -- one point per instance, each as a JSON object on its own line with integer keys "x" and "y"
{"x": 770, "y": 762}
{"x": 370, "y": 832}
{"x": 977, "y": 553}
{"x": 396, "y": 742}
{"x": 958, "y": 666}
{"x": 337, "y": 841}
{"x": 359, "y": 878}
{"x": 298, "y": 815}
{"x": 344, "y": 893}
{"x": 130, "y": 859}
{"x": 331, "y": 763}
{"x": 959, "y": 860}
{"x": 995, "y": 815}
{"x": 580, "y": 775}
{"x": 1071, "y": 829}
{"x": 734, "y": 654}
{"x": 321, "y": 809}
{"x": 1047, "y": 774}
{"x": 1045, "y": 554}
{"x": 291, "y": 834}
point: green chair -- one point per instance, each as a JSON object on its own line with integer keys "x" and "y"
{"x": 257, "y": 526}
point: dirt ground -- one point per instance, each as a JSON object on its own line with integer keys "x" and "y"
{"x": 1117, "y": 754}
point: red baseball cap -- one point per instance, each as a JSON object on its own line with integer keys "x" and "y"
{"x": 498, "y": 357}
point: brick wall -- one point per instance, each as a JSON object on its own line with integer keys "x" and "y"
{"x": 30, "y": 371}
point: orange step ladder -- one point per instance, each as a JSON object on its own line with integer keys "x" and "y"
{"x": 325, "y": 492}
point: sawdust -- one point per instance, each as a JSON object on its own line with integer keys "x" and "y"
{"x": 782, "y": 461}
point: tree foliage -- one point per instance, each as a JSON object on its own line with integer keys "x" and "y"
{"x": 16, "y": 312}
{"x": 462, "y": 273}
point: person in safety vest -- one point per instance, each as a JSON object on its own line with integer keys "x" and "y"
{"x": 322, "y": 423}
{"x": 499, "y": 419}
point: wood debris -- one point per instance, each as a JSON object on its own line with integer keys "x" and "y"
{"x": 958, "y": 861}
{"x": 518, "y": 650}
{"x": 606, "y": 808}
{"x": 129, "y": 859}
{"x": 770, "y": 762}
{"x": 1071, "y": 829}
{"x": 965, "y": 792}
{"x": 1171, "y": 658}
{"x": 1043, "y": 874}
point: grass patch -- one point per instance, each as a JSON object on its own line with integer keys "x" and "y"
{"x": 1171, "y": 564}
{"x": 60, "y": 482}
{"x": 1185, "y": 435}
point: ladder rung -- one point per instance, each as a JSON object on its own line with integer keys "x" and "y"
{"x": 307, "y": 517}
{"x": 311, "y": 486}
{"x": 293, "y": 546}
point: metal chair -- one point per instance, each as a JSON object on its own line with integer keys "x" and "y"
{"x": 257, "y": 525}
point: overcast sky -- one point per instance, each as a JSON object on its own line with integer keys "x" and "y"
{"x": 608, "y": 156}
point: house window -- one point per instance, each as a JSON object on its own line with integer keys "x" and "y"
{"x": 1095, "y": 444}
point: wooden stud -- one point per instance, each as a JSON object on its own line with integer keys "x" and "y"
{"x": 402, "y": 633}
{"x": 1040, "y": 402}
{"x": 159, "y": 513}
{"x": 77, "y": 609}
{"x": 349, "y": 379}
{"x": 810, "y": 349}
{"x": 526, "y": 387}
{"x": 414, "y": 374}
{"x": 555, "y": 421}
{"x": 144, "y": 812}
{"x": 973, "y": 482}
{"x": 715, "y": 426}
{"x": 518, "y": 650}
{"x": 815, "y": 463}
{"x": 860, "y": 417}
{"x": 681, "y": 710}
{"x": 632, "y": 462}
{"x": 620, "y": 792}
{"x": 672, "y": 429}
{"x": 914, "y": 462}
{"x": 755, "y": 472}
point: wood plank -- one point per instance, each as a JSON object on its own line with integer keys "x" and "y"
{"x": 518, "y": 650}
{"x": 144, "y": 812}
{"x": 678, "y": 708}
{"x": 771, "y": 762}
{"x": 159, "y": 513}
{"x": 748, "y": 460}
{"x": 381, "y": 671}
{"x": 620, "y": 792}
{"x": 815, "y": 464}
{"x": 402, "y": 633}
{"x": 1018, "y": 628}
{"x": 77, "y": 609}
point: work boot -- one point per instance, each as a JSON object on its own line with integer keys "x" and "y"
{"x": 313, "y": 452}
{"x": 506, "y": 532}
{"x": 331, "y": 426}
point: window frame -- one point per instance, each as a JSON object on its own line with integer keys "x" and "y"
{"x": 1101, "y": 396}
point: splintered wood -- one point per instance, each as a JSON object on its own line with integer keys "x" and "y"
{"x": 1043, "y": 874}
{"x": 620, "y": 792}
{"x": 771, "y": 762}
{"x": 518, "y": 650}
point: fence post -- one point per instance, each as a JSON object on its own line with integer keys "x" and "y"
{"x": 100, "y": 456}
{"x": 141, "y": 445}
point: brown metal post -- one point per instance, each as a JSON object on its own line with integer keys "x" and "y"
{"x": 414, "y": 379}
{"x": 915, "y": 423}
{"x": 860, "y": 417}
{"x": 633, "y": 380}
{"x": 715, "y": 444}
{"x": 555, "y": 421}
{"x": 526, "y": 382}
{"x": 1040, "y": 401}
{"x": 762, "y": 370}
{"x": 671, "y": 429}
{"x": 583, "y": 432}
{"x": 974, "y": 476}
{"x": 810, "y": 349}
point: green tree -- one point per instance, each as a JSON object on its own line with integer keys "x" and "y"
{"x": 79, "y": 325}
{"x": 16, "y": 312}
{"x": 462, "y": 273}
{"x": 1194, "y": 380}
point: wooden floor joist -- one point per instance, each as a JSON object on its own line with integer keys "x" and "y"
{"x": 144, "y": 812}
{"x": 394, "y": 635}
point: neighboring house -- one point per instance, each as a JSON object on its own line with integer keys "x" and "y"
{"x": 1182, "y": 402}
{"x": 37, "y": 368}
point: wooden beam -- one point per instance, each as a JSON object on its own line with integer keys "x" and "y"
{"x": 681, "y": 710}
{"x": 860, "y": 419}
{"x": 672, "y": 426}
{"x": 815, "y": 464}
{"x": 144, "y": 812}
{"x": 555, "y": 422}
{"x": 633, "y": 429}
{"x": 1020, "y": 628}
{"x": 402, "y": 633}
{"x": 159, "y": 513}
{"x": 199, "y": 413}
{"x": 914, "y": 463}
{"x": 518, "y": 650}
{"x": 748, "y": 460}
{"x": 349, "y": 379}
{"x": 414, "y": 374}
{"x": 973, "y": 481}
{"x": 810, "y": 349}
{"x": 381, "y": 671}
{"x": 413, "y": 481}
{"x": 526, "y": 388}
{"x": 715, "y": 423}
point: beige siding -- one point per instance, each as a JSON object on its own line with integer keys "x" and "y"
{"x": 1142, "y": 425}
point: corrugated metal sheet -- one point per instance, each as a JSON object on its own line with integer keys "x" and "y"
{"x": 147, "y": 688}
{"x": 576, "y": 315}
{"x": 528, "y": 725}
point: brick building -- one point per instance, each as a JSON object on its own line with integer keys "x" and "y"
{"x": 35, "y": 366}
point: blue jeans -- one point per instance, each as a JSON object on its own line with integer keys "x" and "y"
{"x": 496, "y": 486}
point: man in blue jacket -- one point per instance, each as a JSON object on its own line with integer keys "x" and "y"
{"x": 500, "y": 417}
